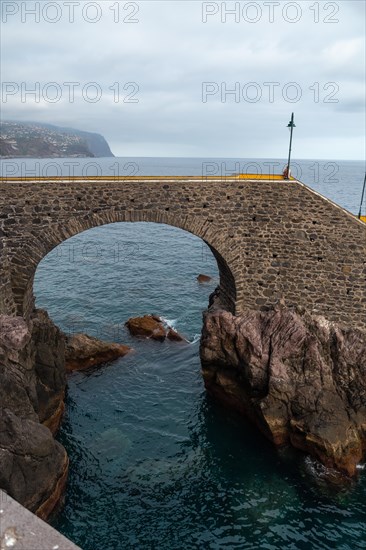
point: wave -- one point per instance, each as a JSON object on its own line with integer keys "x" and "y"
{"x": 170, "y": 322}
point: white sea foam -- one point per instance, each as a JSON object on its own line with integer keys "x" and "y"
{"x": 169, "y": 322}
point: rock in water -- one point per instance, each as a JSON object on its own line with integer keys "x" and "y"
{"x": 148, "y": 326}
{"x": 300, "y": 378}
{"x": 83, "y": 351}
{"x": 173, "y": 335}
{"x": 203, "y": 278}
{"x": 154, "y": 327}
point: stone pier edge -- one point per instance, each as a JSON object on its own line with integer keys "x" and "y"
{"x": 22, "y": 530}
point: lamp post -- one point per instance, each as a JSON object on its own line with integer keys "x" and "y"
{"x": 362, "y": 197}
{"x": 291, "y": 125}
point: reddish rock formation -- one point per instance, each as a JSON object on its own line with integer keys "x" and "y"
{"x": 203, "y": 278}
{"x": 56, "y": 498}
{"x": 148, "y": 326}
{"x": 154, "y": 327}
{"x": 300, "y": 378}
{"x": 83, "y": 351}
{"x": 53, "y": 422}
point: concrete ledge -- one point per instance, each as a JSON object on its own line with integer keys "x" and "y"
{"x": 22, "y": 530}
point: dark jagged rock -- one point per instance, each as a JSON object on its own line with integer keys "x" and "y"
{"x": 83, "y": 351}
{"x": 33, "y": 465}
{"x": 32, "y": 382}
{"x": 300, "y": 378}
{"x": 17, "y": 380}
{"x": 50, "y": 370}
{"x": 14, "y": 333}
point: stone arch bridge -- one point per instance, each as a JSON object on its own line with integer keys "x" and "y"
{"x": 301, "y": 379}
{"x": 271, "y": 238}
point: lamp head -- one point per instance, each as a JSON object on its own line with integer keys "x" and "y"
{"x": 291, "y": 124}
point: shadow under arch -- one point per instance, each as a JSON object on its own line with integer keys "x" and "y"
{"x": 53, "y": 235}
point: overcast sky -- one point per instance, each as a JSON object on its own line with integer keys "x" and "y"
{"x": 177, "y": 61}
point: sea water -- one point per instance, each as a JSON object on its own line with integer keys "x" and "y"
{"x": 154, "y": 462}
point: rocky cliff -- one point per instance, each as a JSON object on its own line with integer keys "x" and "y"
{"x": 299, "y": 378}
{"x": 32, "y": 383}
{"x": 39, "y": 140}
{"x": 34, "y": 466}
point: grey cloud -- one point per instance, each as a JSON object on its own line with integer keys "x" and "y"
{"x": 169, "y": 54}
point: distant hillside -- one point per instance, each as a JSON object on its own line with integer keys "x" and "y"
{"x": 39, "y": 140}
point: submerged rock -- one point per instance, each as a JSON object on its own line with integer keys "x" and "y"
{"x": 83, "y": 351}
{"x": 112, "y": 444}
{"x": 300, "y": 378}
{"x": 151, "y": 472}
{"x": 203, "y": 278}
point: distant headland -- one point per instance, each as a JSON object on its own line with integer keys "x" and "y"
{"x": 40, "y": 140}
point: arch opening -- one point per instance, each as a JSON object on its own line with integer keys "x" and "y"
{"x": 136, "y": 422}
{"x": 140, "y": 266}
{"x": 24, "y": 261}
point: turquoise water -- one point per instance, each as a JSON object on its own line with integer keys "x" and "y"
{"x": 154, "y": 463}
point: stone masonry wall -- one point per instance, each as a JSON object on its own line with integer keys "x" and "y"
{"x": 271, "y": 239}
